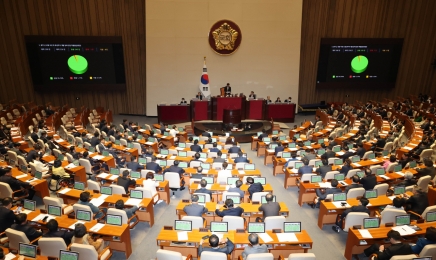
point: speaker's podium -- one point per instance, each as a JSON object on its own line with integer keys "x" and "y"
{"x": 232, "y": 116}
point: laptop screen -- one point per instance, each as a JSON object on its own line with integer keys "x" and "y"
{"x": 183, "y": 225}
{"x": 370, "y": 194}
{"x": 360, "y": 174}
{"x": 291, "y": 227}
{"x": 371, "y": 223}
{"x": 78, "y": 185}
{"x": 218, "y": 226}
{"x": 27, "y": 250}
{"x": 142, "y": 160}
{"x": 106, "y": 190}
{"x": 209, "y": 180}
{"x": 183, "y": 153}
{"x": 355, "y": 159}
{"x": 29, "y": 205}
{"x": 315, "y": 178}
{"x": 163, "y": 163}
{"x": 399, "y": 190}
{"x": 249, "y": 166}
{"x": 397, "y": 168}
{"x": 115, "y": 220}
{"x": 158, "y": 177}
{"x": 183, "y": 165}
{"x": 292, "y": 145}
{"x": 236, "y": 199}
{"x": 151, "y": 139}
{"x": 164, "y": 151}
{"x": 232, "y": 180}
{"x": 286, "y": 155}
{"x": 371, "y": 156}
{"x": 380, "y": 171}
{"x": 135, "y": 175}
{"x": 339, "y": 161}
{"x": 136, "y": 194}
{"x": 336, "y": 149}
{"x": 38, "y": 175}
{"x": 275, "y": 132}
{"x": 297, "y": 165}
{"x": 105, "y": 153}
{"x": 115, "y": 171}
{"x": 263, "y": 199}
{"x": 256, "y": 227}
{"x": 402, "y": 220}
{"x": 23, "y": 168}
{"x": 205, "y": 166}
{"x": 83, "y": 215}
{"x": 339, "y": 177}
{"x": 261, "y": 180}
{"x": 318, "y": 163}
{"x": 430, "y": 217}
{"x": 54, "y": 210}
{"x": 302, "y": 154}
{"x": 129, "y": 145}
{"x": 68, "y": 255}
{"x": 60, "y": 157}
{"x": 340, "y": 197}
{"x": 320, "y": 151}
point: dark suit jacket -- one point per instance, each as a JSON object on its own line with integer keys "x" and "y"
{"x": 34, "y": 137}
{"x": 360, "y": 151}
{"x": 395, "y": 249}
{"x": 174, "y": 168}
{"x": 195, "y": 210}
{"x": 31, "y": 232}
{"x": 427, "y": 171}
{"x": 207, "y": 134}
{"x": 270, "y": 209}
{"x": 278, "y": 149}
{"x": 7, "y": 218}
{"x": 219, "y": 159}
{"x": 134, "y": 166}
{"x": 417, "y": 203}
{"x": 369, "y": 182}
{"x": 255, "y": 187}
{"x": 31, "y": 155}
{"x": 214, "y": 150}
{"x": 196, "y": 148}
{"x": 346, "y": 155}
{"x": 94, "y": 141}
{"x": 345, "y": 169}
{"x": 352, "y": 186}
{"x": 322, "y": 170}
{"x": 153, "y": 166}
{"x": 261, "y": 136}
{"x": 226, "y": 249}
{"x": 230, "y": 212}
{"x": 240, "y": 159}
{"x": 204, "y": 190}
{"x": 125, "y": 182}
{"x": 234, "y": 149}
{"x": 14, "y": 183}
{"x": 328, "y": 154}
{"x": 66, "y": 236}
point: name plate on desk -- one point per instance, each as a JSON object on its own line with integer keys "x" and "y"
{"x": 240, "y": 230}
{"x": 255, "y": 202}
{"x": 246, "y": 214}
{"x": 203, "y": 230}
{"x": 185, "y": 201}
{"x": 161, "y": 189}
{"x": 168, "y": 228}
{"x": 209, "y": 213}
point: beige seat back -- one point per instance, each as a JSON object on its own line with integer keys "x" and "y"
{"x": 50, "y": 246}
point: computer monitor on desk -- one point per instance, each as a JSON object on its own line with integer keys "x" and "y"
{"x": 380, "y": 171}
{"x": 291, "y": 227}
{"x": 398, "y": 190}
{"x": 249, "y": 166}
{"x": 158, "y": 177}
{"x": 234, "y": 198}
{"x": 54, "y": 210}
{"x": 402, "y": 220}
{"x": 340, "y": 196}
{"x": 261, "y": 180}
{"x": 114, "y": 220}
{"x": 115, "y": 171}
{"x": 183, "y": 225}
{"x": 232, "y": 180}
{"x": 371, "y": 223}
{"x": 78, "y": 185}
{"x": 339, "y": 176}
{"x": 370, "y": 194}
{"x": 29, "y": 205}
{"x": 105, "y": 190}
{"x": 297, "y": 165}
{"x": 68, "y": 255}
{"x": 430, "y": 217}
{"x": 205, "y": 166}
{"x": 256, "y": 227}
{"x": 218, "y": 227}
{"x": 286, "y": 155}
{"x": 27, "y": 250}
{"x": 136, "y": 194}
{"x": 315, "y": 178}
{"x": 83, "y": 215}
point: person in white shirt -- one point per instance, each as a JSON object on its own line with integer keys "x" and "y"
{"x": 174, "y": 132}
{"x": 39, "y": 166}
{"x": 151, "y": 184}
{"x": 224, "y": 174}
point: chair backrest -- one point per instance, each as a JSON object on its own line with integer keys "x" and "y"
{"x": 275, "y": 222}
{"x": 70, "y": 158}
{"x": 213, "y": 255}
{"x": 292, "y": 163}
{"x": 50, "y": 246}
{"x": 351, "y": 173}
{"x": 32, "y": 168}
{"x": 355, "y": 192}
{"x": 21, "y": 160}
{"x": 388, "y": 146}
{"x": 123, "y": 142}
{"x": 330, "y": 175}
{"x": 374, "y": 168}
{"x": 117, "y": 189}
{"x": 423, "y": 182}
{"x": 427, "y": 210}
{"x": 85, "y": 163}
{"x": 354, "y": 218}
{"x": 234, "y": 222}
{"x": 381, "y": 188}
{"x": 313, "y": 161}
{"x": 52, "y": 201}
{"x": 257, "y": 196}
{"x": 137, "y": 146}
{"x": 428, "y": 250}
{"x": 119, "y": 212}
{"x": 226, "y": 193}
{"x": 5, "y": 190}
{"x": 86, "y": 252}
{"x": 173, "y": 179}
{"x": 13, "y": 155}
{"x": 260, "y": 256}
{"x": 391, "y": 167}
{"x": 162, "y": 254}
{"x": 77, "y": 207}
{"x": 426, "y": 153}
{"x": 194, "y": 164}
{"x": 307, "y": 177}
{"x": 93, "y": 185}
{"x": 388, "y": 215}
{"x": 15, "y": 237}
{"x": 222, "y": 176}
{"x": 197, "y": 222}
{"x": 366, "y": 155}
{"x": 302, "y": 256}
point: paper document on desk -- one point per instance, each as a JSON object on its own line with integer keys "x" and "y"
{"x": 392, "y": 197}
{"x": 21, "y": 176}
{"x": 98, "y": 157}
{"x": 102, "y": 175}
{"x": 103, "y": 197}
{"x": 384, "y": 177}
{"x": 180, "y": 148}
{"x": 357, "y": 165}
{"x": 60, "y": 140}
{"x": 408, "y": 148}
{"x": 294, "y": 170}
{"x": 309, "y": 147}
{"x": 404, "y": 230}
{"x": 326, "y": 185}
{"x": 133, "y": 202}
{"x": 265, "y": 237}
{"x": 97, "y": 227}
{"x": 70, "y": 166}
{"x": 41, "y": 216}
{"x": 374, "y": 160}
{"x": 365, "y": 233}
{"x": 74, "y": 225}
{"x": 270, "y": 150}
{"x": 287, "y": 237}
{"x": 10, "y": 256}
{"x": 400, "y": 173}
{"x": 149, "y": 143}
{"x": 182, "y": 235}
{"x": 241, "y": 172}
{"x": 293, "y": 149}
{"x": 338, "y": 204}
{"x": 340, "y": 153}
{"x": 64, "y": 191}
{"x": 113, "y": 177}
{"x": 97, "y": 202}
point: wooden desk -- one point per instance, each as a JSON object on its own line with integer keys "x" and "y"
{"x": 278, "y": 164}
{"x": 40, "y": 186}
{"x": 170, "y": 114}
{"x": 261, "y": 148}
{"x": 78, "y": 172}
{"x": 217, "y": 190}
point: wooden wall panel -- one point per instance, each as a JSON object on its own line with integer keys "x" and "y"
{"x": 415, "y": 21}
{"x": 124, "y": 18}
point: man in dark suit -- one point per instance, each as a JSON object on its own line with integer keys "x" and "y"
{"x": 237, "y": 188}
{"x": 397, "y": 247}
{"x": 254, "y": 187}
{"x": 322, "y": 170}
{"x": 16, "y": 149}
{"x": 333, "y": 190}
{"x": 424, "y": 145}
{"x": 240, "y": 158}
{"x": 125, "y": 181}
{"x": 279, "y": 148}
{"x": 133, "y": 164}
{"x": 203, "y": 184}
{"x": 359, "y": 208}
{"x": 369, "y": 181}
{"x": 16, "y": 185}
{"x": 52, "y": 226}
{"x": 194, "y": 209}
{"x": 111, "y": 131}
{"x": 332, "y": 143}
{"x": 199, "y": 96}
{"x": 310, "y": 154}
{"x": 264, "y": 134}
{"x": 195, "y": 147}
{"x": 153, "y": 165}
{"x": 417, "y": 203}
{"x": 429, "y": 169}
{"x": 214, "y": 148}
{"x": 7, "y": 216}
{"x": 252, "y": 95}
{"x": 228, "y": 89}
{"x": 183, "y": 101}
{"x": 346, "y": 167}
{"x": 175, "y": 168}
{"x": 270, "y": 208}
{"x": 31, "y": 155}
{"x": 34, "y": 135}
{"x": 234, "y": 149}
{"x": 229, "y": 209}
{"x": 305, "y": 168}
{"x": 214, "y": 243}
{"x": 355, "y": 179}
{"x": 196, "y": 158}
{"x": 95, "y": 140}
{"x": 218, "y": 157}
{"x": 360, "y": 150}
{"x": 22, "y": 225}
{"x": 347, "y": 153}
{"x": 293, "y": 159}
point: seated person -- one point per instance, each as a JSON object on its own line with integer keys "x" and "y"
{"x": 408, "y": 180}
{"x": 254, "y": 187}
{"x": 397, "y": 247}
{"x": 175, "y": 168}
{"x": 84, "y": 200}
{"x": 125, "y": 182}
{"x": 428, "y": 239}
{"x": 417, "y": 203}
{"x": 183, "y": 101}
{"x": 355, "y": 183}
{"x": 369, "y": 181}
{"x": 7, "y": 216}
{"x": 153, "y": 166}
{"x": 133, "y": 164}
{"x": 234, "y": 149}
{"x": 199, "y": 174}
{"x": 240, "y": 158}
{"x": 270, "y": 208}
{"x": 252, "y": 95}
{"x": 195, "y": 147}
{"x": 288, "y": 100}
{"x": 278, "y": 100}
{"x": 429, "y": 169}
{"x": 292, "y": 159}
{"x": 151, "y": 184}
{"x": 324, "y": 168}
{"x": 196, "y": 158}
{"x": 346, "y": 167}
{"x": 359, "y": 208}
{"x": 279, "y": 148}
{"x": 129, "y": 211}
{"x": 81, "y": 237}
{"x": 322, "y": 195}
{"x": 23, "y": 188}
{"x": 58, "y": 170}
{"x": 237, "y": 188}
{"x": 203, "y": 184}
{"x": 214, "y": 148}
{"x": 194, "y": 209}
{"x": 392, "y": 159}
{"x": 268, "y": 99}
{"x": 310, "y": 155}
{"x": 22, "y": 225}
{"x": 254, "y": 247}
{"x": 397, "y": 203}
{"x": 52, "y": 226}
{"x": 214, "y": 243}
{"x": 229, "y": 209}
{"x": 305, "y": 168}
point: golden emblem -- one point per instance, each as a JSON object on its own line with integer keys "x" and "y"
{"x": 225, "y": 37}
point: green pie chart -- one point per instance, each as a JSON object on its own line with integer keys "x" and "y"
{"x": 359, "y": 64}
{"x": 77, "y": 64}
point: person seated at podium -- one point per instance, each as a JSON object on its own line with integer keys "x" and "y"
{"x": 288, "y": 100}
{"x": 252, "y": 95}
{"x": 278, "y": 100}
{"x": 228, "y": 89}
{"x": 230, "y": 140}
{"x": 240, "y": 158}
{"x": 363, "y": 202}
{"x": 199, "y": 96}
{"x": 214, "y": 243}
{"x": 214, "y": 148}
{"x": 234, "y": 149}
{"x": 229, "y": 209}
{"x": 254, "y": 247}
{"x": 194, "y": 209}
{"x": 183, "y": 101}
{"x": 268, "y": 100}
{"x": 195, "y": 147}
